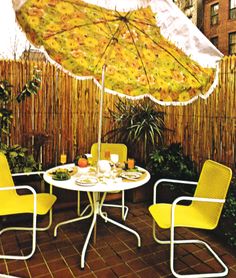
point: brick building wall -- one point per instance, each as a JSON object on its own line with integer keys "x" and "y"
{"x": 224, "y": 26}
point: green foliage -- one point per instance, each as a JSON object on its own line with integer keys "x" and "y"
{"x": 18, "y": 158}
{"x": 137, "y": 122}
{"x": 31, "y": 87}
{"x": 170, "y": 162}
{"x": 227, "y": 225}
{"x": 5, "y": 114}
{"x": 5, "y": 90}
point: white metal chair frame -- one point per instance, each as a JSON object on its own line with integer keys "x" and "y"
{"x": 34, "y": 228}
{"x": 172, "y": 241}
{"x": 40, "y": 229}
{"x": 23, "y": 257}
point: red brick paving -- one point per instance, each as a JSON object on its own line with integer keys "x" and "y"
{"x": 115, "y": 253}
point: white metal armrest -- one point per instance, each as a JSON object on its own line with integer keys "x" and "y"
{"x": 169, "y": 180}
{"x": 187, "y": 198}
{"x": 22, "y": 187}
{"x": 31, "y": 174}
{"x": 28, "y": 173}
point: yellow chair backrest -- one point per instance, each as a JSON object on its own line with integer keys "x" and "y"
{"x": 213, "y": 182}
{"x": 120, "y": 149}
{"x": 5, "y": 178}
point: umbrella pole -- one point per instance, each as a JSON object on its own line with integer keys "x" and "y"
{"x": 100, "y": 111}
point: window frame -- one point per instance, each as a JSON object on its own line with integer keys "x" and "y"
{"x": 232, "y": 45}
{"x": 232, "y": 9}
{"x": 214, "y": 14}
{"x": 216, "y": 38}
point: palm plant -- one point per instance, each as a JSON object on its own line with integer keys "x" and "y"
{"x": 137, "y": 124}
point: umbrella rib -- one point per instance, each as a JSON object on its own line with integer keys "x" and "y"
{"x": 139, "y": 55}
{"x": 167, "y": 51}
{"x": 114, "y": 35}
{"x": 112, "y": 39}
{"x": 78, "y": 26}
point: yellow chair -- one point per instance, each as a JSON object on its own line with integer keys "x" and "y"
{"x": 14, "y": 203}
{"x": 203, "y": 212}
{"x": 121, "y": 150}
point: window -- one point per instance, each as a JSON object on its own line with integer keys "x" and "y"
{"x": 214, "y": 14}
{"x": 232, "y": 43}
{"x": 232, "y": 9}
{"x": 214, "y": 41}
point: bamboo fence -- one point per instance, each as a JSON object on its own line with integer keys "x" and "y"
{"x": 66, "y": 114}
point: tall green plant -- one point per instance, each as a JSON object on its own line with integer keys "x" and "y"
{"x": 18, "y": 158}
{"x": 137, "y": 124}
{"x": 5, "y": 113}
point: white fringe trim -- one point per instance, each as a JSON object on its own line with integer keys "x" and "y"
{"x": 178, "y": 29}
{"x": 17, "y": 4}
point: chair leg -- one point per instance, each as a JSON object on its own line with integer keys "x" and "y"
{"x": 172, "y": 242}
{"x": 155, "y": 236}
{"x": 30, "y": 228}
{"x": 33, "y": 229}
{"x": 198, "y": 275}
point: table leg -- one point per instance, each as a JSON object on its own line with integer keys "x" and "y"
{"x": 107, "y": 219}
{"x": 77, "y": 218}
{"x": 95, "y": 205}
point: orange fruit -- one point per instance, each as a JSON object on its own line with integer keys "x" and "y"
{"x": 82, "y": 162}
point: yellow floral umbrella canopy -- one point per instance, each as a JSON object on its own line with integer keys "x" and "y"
{"x": 83, "y": 37}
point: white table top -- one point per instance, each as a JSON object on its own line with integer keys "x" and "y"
{"x": 109, "y": 186}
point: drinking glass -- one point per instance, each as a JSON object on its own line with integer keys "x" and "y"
{"x": 114, "y": 160}
{"x": 107, "y": 155}
{"x": 63, "y": 158}
{"x": 131, "y": 163}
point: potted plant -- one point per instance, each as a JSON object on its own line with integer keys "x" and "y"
{"x": 137, "y": 124}
{"x": 140, "y": 126}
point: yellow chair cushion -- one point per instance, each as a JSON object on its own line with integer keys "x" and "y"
{"x": 185, "y": 216}
{"x": 24, "y": 204}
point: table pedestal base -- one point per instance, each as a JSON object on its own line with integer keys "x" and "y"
{"x": 96, "y": 209}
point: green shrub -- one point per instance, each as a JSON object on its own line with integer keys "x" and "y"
{"x": 227, "y": 224}
{"x": 170, "y": 162}
{"x": 18, "y": 158}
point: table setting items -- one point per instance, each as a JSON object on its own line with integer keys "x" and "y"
{"x": 63, "y": 173}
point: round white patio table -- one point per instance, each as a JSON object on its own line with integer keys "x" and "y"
{"x": 94, "y": 191}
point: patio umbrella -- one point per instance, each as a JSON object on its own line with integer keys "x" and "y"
{"x": 121, "y": 39}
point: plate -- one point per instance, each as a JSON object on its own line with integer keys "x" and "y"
{"x": 86, "y": 181}
{"x": 131, "y": 175}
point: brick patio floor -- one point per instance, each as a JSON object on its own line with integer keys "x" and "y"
{"x": 115, "y": 253}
